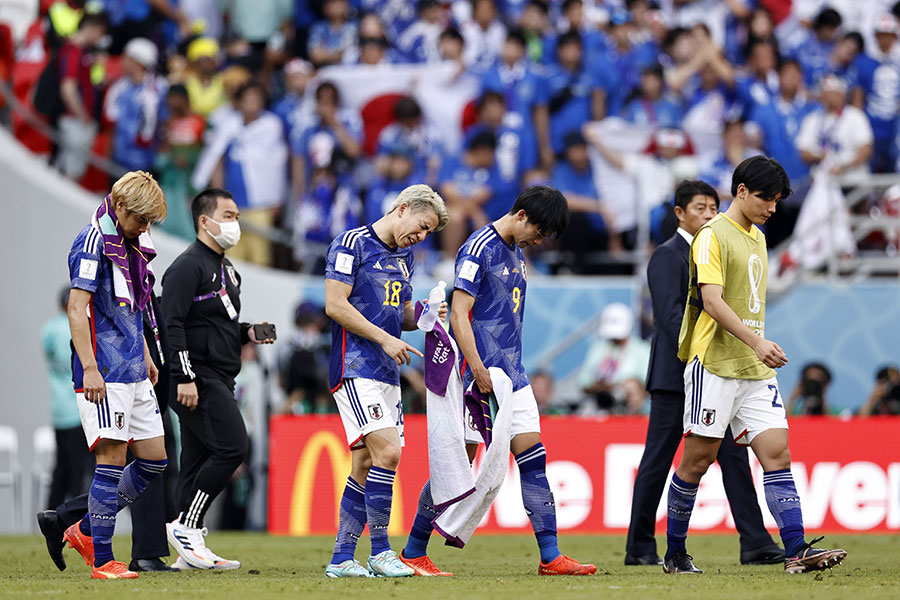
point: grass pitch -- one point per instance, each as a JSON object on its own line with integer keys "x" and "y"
{"x": 494, "y": 567}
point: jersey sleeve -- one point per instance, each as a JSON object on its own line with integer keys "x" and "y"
{"x": 84, "y": 261}
{"x": 708, "y": 258}
{"x": 342, "y": 261}
{"x": 469, "y": 271}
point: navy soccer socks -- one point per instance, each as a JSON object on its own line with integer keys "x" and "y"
{"x": 379, "y": 495}
{"x": 133, "y": 480}
{"x": 784, "y": 504}
{"x": 538, "y": 499}
{"x": 417, "y": 544}
{"x": 681, "y": 503}
{"x": 102, "y": 509}
{"x": 352, "y": 522}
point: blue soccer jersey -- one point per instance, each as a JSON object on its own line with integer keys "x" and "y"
{"x": 380, "y": 278}
{"x": 117, "y": 333}
{"x": 493, "y": 273}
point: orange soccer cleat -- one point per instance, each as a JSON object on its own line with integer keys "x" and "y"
{"x": 83, "y": 544}
{"x": 563, "y": 565}
{"x": 113, "y": 570}
{"x": 423, "y": 566}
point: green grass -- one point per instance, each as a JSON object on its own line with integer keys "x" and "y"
{"x": 494, "y": 567}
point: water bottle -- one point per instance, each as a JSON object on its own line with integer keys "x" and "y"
{"x": 429, "y": 316}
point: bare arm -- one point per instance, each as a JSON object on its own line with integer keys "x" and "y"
{"x": 465, "y": 338}
{"x": 598, "y": 104}
{"x": 409, "y": 316}
{"x": 768, "y": 351}
{"x": 298, "y": 176}
{"x": 542, "y": 124}
{"x": 80, "y": 327}
{"x": 862, "y": 157}
{"x": 611, "y": 156}
{"x": 68, "y": 91}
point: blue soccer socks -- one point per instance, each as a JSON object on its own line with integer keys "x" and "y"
{"x": 538, "y": 499}
{"x": 784, "y": 504}
{"x": 417, "y": 544}
{"x": 379, "y": 495}
{"x": 352, "y": 522}
{"x": 134, "y": 480}
{"x": 681, "y": 504}
{"x": 102, "y": 509}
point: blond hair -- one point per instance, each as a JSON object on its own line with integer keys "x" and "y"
{"x": 141, "y": 195}
{"x": 421, "y": 197}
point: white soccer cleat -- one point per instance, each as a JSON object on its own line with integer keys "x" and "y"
{"x": 222, "y": 564}
{"x": 348, "y": 568}
{"x": 188, "y": 543}
{"x": 388, "y": 564}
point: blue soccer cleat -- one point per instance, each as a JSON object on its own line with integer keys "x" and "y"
{"x": 348, "y": 568}
{"x": 388, "y": 564}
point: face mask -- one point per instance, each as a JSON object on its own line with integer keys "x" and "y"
{"x": 229, "y": 234}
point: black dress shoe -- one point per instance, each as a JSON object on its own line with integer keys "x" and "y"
{"x": 767, "y": 555}
{"x": 53, "y": 532}
{"x": 149, "y": 564}
{"x": 642, "y": 560}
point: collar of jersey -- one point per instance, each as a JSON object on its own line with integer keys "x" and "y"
{"x": 500, "y": 237}
{"x": 752, "y": 233}
{"x": 379, "y": 240}
{"x": 209, "y": 250}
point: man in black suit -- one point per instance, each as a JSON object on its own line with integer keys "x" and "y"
{"x": 155, "y": 507}
{"x": 667, "y": 274}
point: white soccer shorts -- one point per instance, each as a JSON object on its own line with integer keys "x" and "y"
{"x": 712, "y": 403}
{"x": 525, "y": 418}
{"x": 367, "y": 405}
{"x": 129, "y": 412}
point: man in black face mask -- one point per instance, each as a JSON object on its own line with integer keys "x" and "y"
{"x": 201, "y": 304}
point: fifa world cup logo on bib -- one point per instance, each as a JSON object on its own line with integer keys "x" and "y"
{"x": 754, "y": 272}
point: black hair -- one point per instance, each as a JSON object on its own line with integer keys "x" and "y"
{"x": 489, "y": 96}
{"x": 653, "y": 69}
{"x": 205, "y": 203}
{"x": 544, "y": 7}
{"x": 895, "y": 10}
{"x": 820, "y": 367}
{"x": 407, "y": 108}
{"x": 97, "y": 19}
{"x": 857, "y": 38}
{"x": 686, "y": 191}
{"x": 545, "y": 207}
{"x": 672, "y": 36}
{"x": 64, "y": 298}
{"x": 568, "y": 3}
{"x": 452, "y": 34}
{"x": 516, "y": 36}
{"x": 177, "y": 89}
{"x": 483, "y": 139}
{"x": 569, "y": 37}
{"x": 827, "y": 18}
{"x": 762, "y": 176}
{"x": 251, "y": 85}
{"x": 789, "y": 62}
{"x": 327, "y": 85}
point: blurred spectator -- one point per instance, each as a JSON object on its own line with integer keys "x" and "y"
{"x": 878, "y": 92}
{"x": 465, "y": 185}
{"x": 652, "y": 106}
{"x": 77, "y": 125}
{"x": 843, "y": 59}
{"x": 332, "y": 138}
{"x": 590, "y": 223}
{"x": 396, "y": 174}
{"x": 758, "y": 84}
{"x": 814, "y": 51}
{"x": 328, "y": 207}
{"x": 410, "y": 129}
{"x": 809, "y": 396}
{"x": 233, "y": 79}
{"x": 542, "y": 387}
{"x": 452, "y": 46}
{"x": 181, "y": 143}
{"x": 330, "y": 38}
{"x": 397, "y": 15}
{"x": 305, "y": 366}
{"x": 138, "y": 18}
{"x": 885, "y": 396}
{"x": 620, "y": 63}
{"x": 712, "y": 104}
{"x": 134, "y": 104}
{"x": 535, "y": 27}
{"x": 573, "y": 19}
{"x": 736, "y": 148}
{"x": 289, "y": 108}
{"x": 259, "y": 25}
{"x": 373, "y": 47}
{"x": 572, "y": 95}
{"x": 615, "y": 366}
{"x": 204, "y": 83}
{"x": 484, "y": 34}
{"x": 419, "y": 42}
{"x": 74, "y": 465}
{"x": 252, "y": 165}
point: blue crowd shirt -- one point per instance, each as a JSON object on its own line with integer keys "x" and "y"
{"x": 117, "y": 333}
{"x": 881, "y": 83}
{"x": 575, "y": 110}
{"x": 662, "y": 113}
{"x": 780, "y": 122}
{"x": 380, "y": 278}
{"x": 567, "y": 179}
{"x": 493, "y": 273}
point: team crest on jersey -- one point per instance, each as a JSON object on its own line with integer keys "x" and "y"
{"x": 232, "y": 275}
{"x": 120, "y": 420}
{"x": 708, "y": 416}
{"x": 524, "y": 273}
{"x": 375, "y": 411}
{"x": 403, "y": 268}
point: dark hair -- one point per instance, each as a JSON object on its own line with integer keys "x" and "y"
{"x": 820, "y": 367}
{"x": 567, "y": 4}
{"x": 205, "y": 203}
{"x": 64, "y": 298}
{"x": 857, "y": 38}
{"x": 407, "y": 108}
{"x": 895, "y": 10}
{"x": 327, "y": 85}
{"x": 672, "y": 36}
{"x": 569, "y": 37}
{"x": 545, "y": 207}
{"x": 97, "y": 19}
{"x": 482, "y": 139}
{"x": 827, "y": 18}
{"x": 516, "y": 36}
{"x": 654, "y": 69}
{"x": 686, "y": 191}
{"x": 789, "y": 62}
{"x": 177, "y": 89}
{"x": 490, "y": 96}
{"x": 541, "y": 5}
{"x": 452, "y": 34}
{"x": 762, "y": 176}
{"x": 251, "y": 85}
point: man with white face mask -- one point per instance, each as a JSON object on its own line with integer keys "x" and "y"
{"x": 201, "y": 302}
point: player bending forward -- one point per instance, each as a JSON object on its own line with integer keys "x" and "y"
{"x": 729, "y": 377}
{"x": 369, "y": 297}
{"x": 486, "y": 321}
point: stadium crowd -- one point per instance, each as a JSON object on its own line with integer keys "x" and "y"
{"x": 253, "y": 97}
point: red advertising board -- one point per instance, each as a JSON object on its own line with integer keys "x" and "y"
{"x": 847, "y": 474}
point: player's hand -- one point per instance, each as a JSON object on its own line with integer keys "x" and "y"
{"x": 770, "y": 354}
{"x": 442, "y": 312}
{"x": 483, "y": 380}
{"x": 399, "y": 350}
{"x": 187, "y": 395}
{"x": 94, "y": 386}
{"x": 152, "y": 373}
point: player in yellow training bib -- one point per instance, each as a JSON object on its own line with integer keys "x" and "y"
{"x": 729, "y": 378}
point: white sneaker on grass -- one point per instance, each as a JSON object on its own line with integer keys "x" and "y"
{"x": 189, "y": 544}
{"x": 348, "y": 568}
{"x": 388, "y": 564}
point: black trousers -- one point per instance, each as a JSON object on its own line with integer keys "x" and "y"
{"x": 214, "y": 439}
{"x": 150, "y": 510}
{"x": 664, "y": 433}
{"x": 74, "y": 466}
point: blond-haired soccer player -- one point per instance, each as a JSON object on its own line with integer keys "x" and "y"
{"x": 109, "y": 267}
{"x": 369, "y": 297}
{"x": 729, "y": 378}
